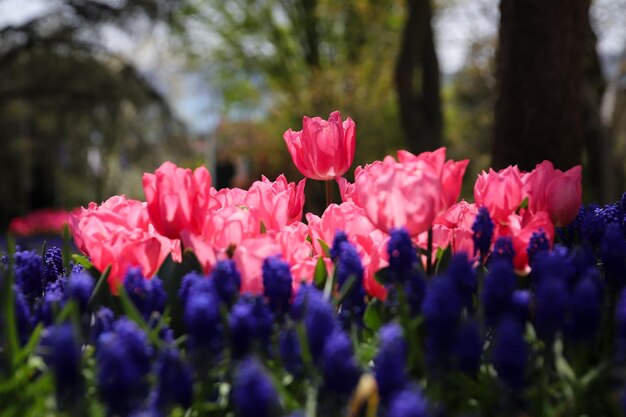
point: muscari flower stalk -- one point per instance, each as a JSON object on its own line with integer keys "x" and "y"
{"x": 415, "y": 290}
{"x": 318, "y": 317}
{"x": 468, "y": 348}
{"x": 277, "y": 284}
{"x": 551, "y": 301}
{"x": 349, "y": 266}
{"x": 123, "y": 359}
{"x": 79, "y": 288}
{"x": 23, "y": 318}
{"x": 592, "y": 226}
{"x": 620, "y": 323}
{"x": 29, "y": 274}
{"x": 409, "y": 403}
{"x": 203, "y": 322}
{"x": 404, "y": 269}
{"x": 538, "y": 243}
{"x": 390, "y": 363}
{"x": 464, "y": 276}
{"x": 613, "y": 255}
{"x": 174, "y": 381}
{"x": 196, "y": 281}
{"x": 503, "y": 249}
{"x": 483, "y": 232}
{"x": 500, "y": 283}
{"x": 290, "y": 352}
{"x": 62, "y": 353}
{"x": 253, "y": 391}
{"x": 104, "y": 319}
{"x": 520, "y": 307}
{"x": 510, "y": 352}
{"x": 403, "y": 259}
{"x": 335, "y": 249}
{"x": 250, "y": 321}
{"x": 148, "y": 295}
{"x": 586, "y": 310}
{"x": 339, "y": 367}
{"x": 53, "y": 298}
{"x": 226, "y": 281}
{"x": 53, "y": 265}
{"x": 441, "y": 310}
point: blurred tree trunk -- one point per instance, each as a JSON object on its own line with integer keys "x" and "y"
{"x": 417, "y": 80}
{"x": 539, "y": 111}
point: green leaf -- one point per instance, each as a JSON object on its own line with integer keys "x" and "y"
{"x": 7, "y": 301}
{"x": 320, "y": 275}
{"x": 325, "y": 247}
{"x": 33, "y": 341}
{"x": 346, "y": 288}
{"x": 67, "y": 248}
{"x": 82, "y": 260}
{"x": 522, "y": 205}
{"x": 443, "y": 258}
{"x": 372, "y": 318}
{"x": 99, "y": 284}
{"x": 131, "y": 311}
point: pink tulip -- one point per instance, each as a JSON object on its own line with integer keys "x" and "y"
{"x": 399, "y": 195}
{"x": 222, "y": 229}
{"x": 501, "y": 192}
{"x": 227, "y": 197}
{"x": 369, "y": 241}
{"x": 323, "y": 149}
{"x": 297, "y": 250}
{"x": 454, "y": 228}
{"x": 346, "y": 217}
{"x": 277, "y": 203}
{"x": 557, "y": 192}
{"x": 346, "y": 189}
{"x": 177, "y": 198}
{"x": 449, "y": 172}
{"x": 119, "y": 233}
{"x": 249, "y": 256}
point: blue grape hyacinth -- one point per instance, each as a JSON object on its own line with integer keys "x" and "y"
{"x": 253, "y": 391}
{"x": 390, "y": 362}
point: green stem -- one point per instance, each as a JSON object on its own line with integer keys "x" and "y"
{"x": 429, "y": 264}
{"x": 329, "y": 193}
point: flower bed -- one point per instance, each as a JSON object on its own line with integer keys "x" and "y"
{"x": 399, "y": 301}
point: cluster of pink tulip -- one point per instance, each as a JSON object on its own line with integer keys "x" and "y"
{"x": 39, "y": 222}
{"x": 418, "y": 192}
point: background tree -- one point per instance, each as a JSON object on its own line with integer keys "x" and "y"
{"x": 539, "y": 111}
{"x": 417, "y": 80}
{"x": 73, "y": 115}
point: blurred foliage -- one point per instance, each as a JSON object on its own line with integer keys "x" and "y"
{"x": 77, "y": 122}
{"x": 304, "y": 57}
{"x": 468, "y": 114}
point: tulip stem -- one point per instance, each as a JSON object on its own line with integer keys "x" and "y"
{"x": 429, "y": 264}
{"x": 329, "y": 193}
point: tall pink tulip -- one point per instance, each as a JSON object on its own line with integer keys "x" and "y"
{"x": 322, "y": 150}
{"x": 119, "y": 233}
{"x": 398, "y": 195}
{"x": 557, "y": 192}
{"x": 177, "y": 198}
{"x": 501, "y": 192}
